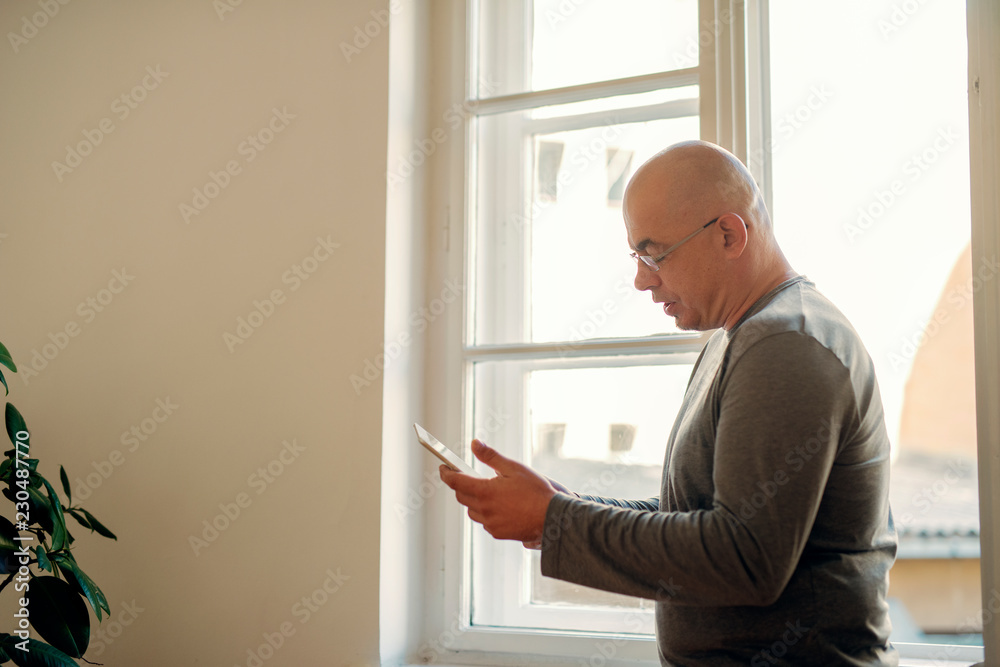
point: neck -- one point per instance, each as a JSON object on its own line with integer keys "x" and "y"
{"x": 761, "y": 285}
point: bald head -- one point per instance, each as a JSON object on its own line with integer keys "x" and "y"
{"x": 700, "y": 195}
{"x": 694, "y": 180}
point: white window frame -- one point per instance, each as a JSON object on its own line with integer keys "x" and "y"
{"x": 503, "y": 140}
{"x": 738, "y": 123}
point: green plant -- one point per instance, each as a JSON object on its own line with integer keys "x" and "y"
{"x": 39, "y": 542}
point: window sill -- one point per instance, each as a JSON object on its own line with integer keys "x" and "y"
{"x": 492, "y": 648}
{"x": 913, "y": 662}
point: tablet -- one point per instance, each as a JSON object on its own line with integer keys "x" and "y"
{"x": 447, "y": 456}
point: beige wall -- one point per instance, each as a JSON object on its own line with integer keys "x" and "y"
{"x": 939, "y": 405}
{"x": 162, "y": 335}
{"x": 951, "y": 605}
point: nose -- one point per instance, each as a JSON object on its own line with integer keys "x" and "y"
{"x": 645, "y": 277}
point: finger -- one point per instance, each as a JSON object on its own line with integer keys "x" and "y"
{"x": 467, "y": 499}
{"x": 447, "y": 475}
{"x": 457, "y": 480}
{"x": 493, "y": 458}
{"x": 461, "y": 483}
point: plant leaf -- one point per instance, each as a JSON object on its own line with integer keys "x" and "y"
{"x": 84, "y": 585}
{"x": 8, "y": 545}
{"x": 98, "y": 526}
{"x": 6, "y": 359}
{"x": 39, "y": 511}
{"x": 15, "y": 424}
{"x": 4, "y": 380}
{"x": 59, "y": 615}
{"x": 82, "y": 520}
{"x": 64, "y": 478}
{"x": 43, "y": 558}
{"x": 58, "y": 520}
{"x": 39, "y": 654}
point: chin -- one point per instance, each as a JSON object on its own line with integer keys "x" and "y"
{"x": 685, "y": 319}
{"x": 686, "y": 323}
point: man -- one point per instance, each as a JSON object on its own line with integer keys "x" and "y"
{"x": 771, "y": 540}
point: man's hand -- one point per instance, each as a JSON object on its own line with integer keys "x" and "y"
{"x": 512, "y": 505}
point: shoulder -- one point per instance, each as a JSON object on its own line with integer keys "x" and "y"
{"x": 797, "y": 325}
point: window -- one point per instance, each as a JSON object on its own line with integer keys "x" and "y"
{"x": 559, "y": 126}
{"x": 561, "y": 114}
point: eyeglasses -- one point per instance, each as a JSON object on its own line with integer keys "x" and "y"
{"x": 654, "y": 262}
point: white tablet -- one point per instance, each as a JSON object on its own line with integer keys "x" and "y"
{"x": 447, "y": 456}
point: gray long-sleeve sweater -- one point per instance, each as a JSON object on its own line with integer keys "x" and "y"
{"x": 772, "y": 539}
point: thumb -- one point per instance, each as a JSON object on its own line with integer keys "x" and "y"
{"x": 493, "y": 458}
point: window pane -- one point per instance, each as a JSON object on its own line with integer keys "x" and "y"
{"x": 597, "y": 430}
{"x": 552, "y": 253}
{"x": 871, "y": 201}
{"x": 581, "y": 42}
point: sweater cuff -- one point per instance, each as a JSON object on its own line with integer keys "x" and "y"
{"x": 555, "y": 524}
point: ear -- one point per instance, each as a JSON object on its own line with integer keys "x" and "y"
{"x": 734, "y": 234}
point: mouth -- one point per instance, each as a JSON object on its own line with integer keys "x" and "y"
{"x": 667, "y": 305}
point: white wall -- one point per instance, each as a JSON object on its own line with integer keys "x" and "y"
{"x": 402, "y": 612}
{"x": 161, "y": 337}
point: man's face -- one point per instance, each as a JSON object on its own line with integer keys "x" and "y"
{"x": 682, "y": 283}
